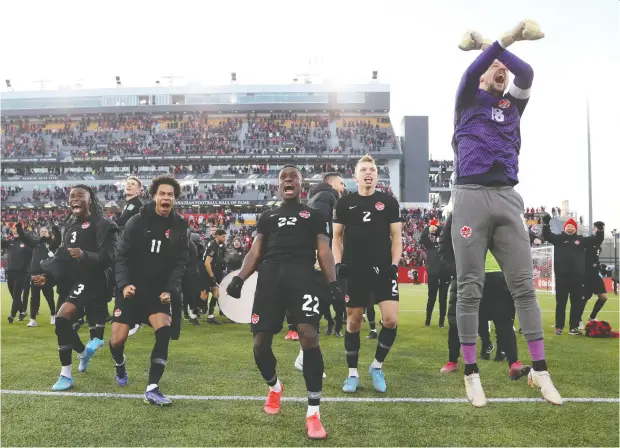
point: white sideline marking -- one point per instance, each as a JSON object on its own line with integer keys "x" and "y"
{"x": 543, "y": 311}
{"x": 301, "y": 399}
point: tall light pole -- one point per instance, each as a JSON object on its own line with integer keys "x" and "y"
{"x": 589, "y": 168}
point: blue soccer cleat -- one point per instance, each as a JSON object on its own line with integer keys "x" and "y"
{"x": 351, "y": 384}
{"x": 95, "y": 344}
{"x": 122, "y": 381}
{"x": 63, "y": 383}
{"x": 378, "y": 379}
{"x": 156, "y": 397}
{"x": 90, "y": 351}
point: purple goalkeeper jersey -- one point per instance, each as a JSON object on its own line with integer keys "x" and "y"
{"x": 487, "y": 136}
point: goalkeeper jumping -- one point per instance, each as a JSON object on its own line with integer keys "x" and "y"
{"x": 488, "y": 212}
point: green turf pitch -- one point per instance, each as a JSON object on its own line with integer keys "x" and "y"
{"x": 217, "y": 361}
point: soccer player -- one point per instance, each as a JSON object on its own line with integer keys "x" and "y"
{"x": 570, "y": 268}
{"x": 42, "y": 249}
{"x": 79, "y": 268}
{"x": 133, "y": 204}
{"x": 369, "y": 222}
{"x": 289, "y": 239}
{"x": 437, "y": 280}
{"x": 488, "y": 212}
{"x": 215, "y": 264}
{"x": 18, "y": 260}
{"x": 151, "y": 261}
{"x": 593, "y": 282}
{"x": 191, "y": 281}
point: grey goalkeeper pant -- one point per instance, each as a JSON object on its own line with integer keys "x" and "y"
{"x": 491, "y": 218}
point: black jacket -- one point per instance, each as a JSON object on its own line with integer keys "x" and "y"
{"x": 569, "y": 250}
{"x": 433, "y": 263}
{"x": 18, "y": 255}
{"x": 445, "y": 250}
{"x": 126, "y": 266}
{"x": 132, "y": 208}
{"x": 40, "y": 247}
{"x": 61, "y": 264}
{"x": 191, "y": 278}
{"x": 323, "y": 197}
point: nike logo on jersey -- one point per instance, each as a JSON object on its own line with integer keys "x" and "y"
{"x": 352, "y": 206}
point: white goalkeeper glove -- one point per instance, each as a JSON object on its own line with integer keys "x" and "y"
{"x": 525, "y": 30}
{"x": 473, "y": 40}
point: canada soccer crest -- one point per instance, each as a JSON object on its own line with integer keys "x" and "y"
{"x": 117, "y": 312}
{"x": 304, "y": 214}
{"x": 504, "y": 103}
{"x": 346, "y": 298}
{"x": 167, "y": 233}
{"x": 577, "y": 242}
{"x": 255, "y": 319}
{"x": 379, "y": 206}
{"x": 21, "y": 245}
{"x": 466, "y": 232}
{"x": 86, "y": 225}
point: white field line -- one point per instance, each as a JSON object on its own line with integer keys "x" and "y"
{"x": 299, "y": 399}
{"x": 544, "y": 311}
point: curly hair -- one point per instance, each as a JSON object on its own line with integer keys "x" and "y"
{"x": 165, "y": 180}
{"x": 94, "y": 206}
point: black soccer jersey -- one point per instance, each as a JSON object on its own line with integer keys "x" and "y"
{"x": 82, "y": 234}
{"x": 289, "y": 233}
{"x": 366, "y": 220}
{"x": 155, "y": 252}
{"x": 217, "y": 252}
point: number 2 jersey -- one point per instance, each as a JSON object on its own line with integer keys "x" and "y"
{"x": 289, "y": 233}
{"x": 366, "y": 219}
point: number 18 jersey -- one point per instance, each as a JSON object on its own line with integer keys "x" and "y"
{"x": 366, "y": 220}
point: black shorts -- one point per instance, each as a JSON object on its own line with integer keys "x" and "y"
{"x": 593, "y": 284}
{"x": 284, "y": 290}
{"x": 366, "y": 282}
{"x": 83, "y": 294}
{"x": 137, "y": 309}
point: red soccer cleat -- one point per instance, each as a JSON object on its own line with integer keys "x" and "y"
{"x": 272, "y": 405}
{"x": 289, "y": 335}
{"x": 449, "y": 367}
{"x": 315, "y": 428}
{"x": 518, "y": 370}
{"x": 295, "y": 336}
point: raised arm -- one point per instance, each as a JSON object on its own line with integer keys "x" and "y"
{"x": 468, "y": 87}
{"x": 27, "y": 239}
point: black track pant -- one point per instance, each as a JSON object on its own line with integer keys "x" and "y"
{"x": 35, "y": 299}
{"x": 16, "y": 281}
{"x": 437, "y": 283}
{"x": 568, "y": 286}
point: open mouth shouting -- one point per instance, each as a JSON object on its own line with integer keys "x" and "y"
{"x": 500, "y": 77}
{"x": 77, "y": 207}
{"x": 288, "y": 189}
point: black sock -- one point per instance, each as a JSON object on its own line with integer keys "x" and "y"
{"x": 373, "y": 325}
{"x": 159, "y": 355}
{"x": 384, "y": 344}
{"x": 119, "y": 359}
{"x": 92, "y": 329}
{"x": 597, "y": 307}
{"x": 313, "y": 374}
{"x": 351, "y": 348}
{"x": 76, "y": 342}
{"x": 212, "y": 303}
{"x": 471, "y": 368}
{"x": 100, "y": 330}
{"x": 63, "y": 332}
{"x": 266, "y": 363}
{"x": 539, "y": 366}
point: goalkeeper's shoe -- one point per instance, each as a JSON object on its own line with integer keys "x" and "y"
{"x": 475, "y": 393}
{"x": 272, "y": 405}
{"x": 315, "y": 427}
{"x": 542, "y": 380}
{"x": 63, "y": 383}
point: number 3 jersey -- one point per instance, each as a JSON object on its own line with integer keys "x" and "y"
{"x": 289, "y": 233}
{"x": 366, "y": 219}
{"x": 82, "y": 235}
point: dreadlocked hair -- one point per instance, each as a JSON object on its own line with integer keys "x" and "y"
{"x": 94, "y": 206}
